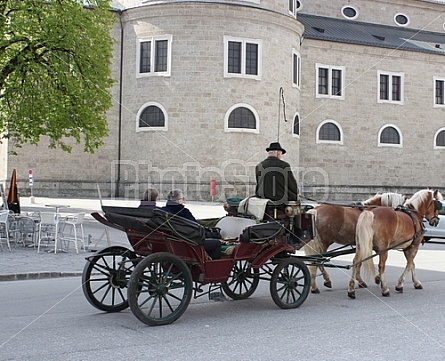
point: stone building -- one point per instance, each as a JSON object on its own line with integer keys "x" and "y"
{"x": 353, "y": 90}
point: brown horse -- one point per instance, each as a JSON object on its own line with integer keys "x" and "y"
{"x": 337, "y": 224}
{"x": 383, "y": 228}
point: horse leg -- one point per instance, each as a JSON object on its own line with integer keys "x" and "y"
{"x": 313, "y": 272}
{"x": 361, "y": 283}
{"x": 327, "y": 281}
{"x": 383, "y": 285}
{"x": 410, "y": 266}
{"x": 355, "y": 269}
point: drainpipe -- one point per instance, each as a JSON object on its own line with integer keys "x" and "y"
{"x": 119, "y": 141}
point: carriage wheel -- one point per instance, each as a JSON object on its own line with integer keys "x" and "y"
{"x": 160, "y": 289}
{"x": 105, "y": 277}
{"x": 290, "y": 283}
{"x": 243, "y": 281}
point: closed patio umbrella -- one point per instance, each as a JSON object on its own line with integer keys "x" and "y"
{"x": 13, "y": 197}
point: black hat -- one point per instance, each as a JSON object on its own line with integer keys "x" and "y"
{"x": 275, "y": 146}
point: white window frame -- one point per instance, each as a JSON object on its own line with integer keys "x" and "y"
{"x": 352, "y": 7}
{"x": 402, "y": 25}
{"x": 390, "y": 145}
{"x": 243, "y": 41}
{"x": 330, "y": 68}
{"x": 435, "y": 79}
{"x": 151, "y": 129}
{"x": 435, "y": 137}
{"x": 402, "y": 87}
{"x": 241, "y": 130}
{"x": 153, "y": 40}
{"x": 322, "y": 141}
{"x": 297, "y": 54}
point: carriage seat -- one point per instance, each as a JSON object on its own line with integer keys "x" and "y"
{"x": 232, "y": 227}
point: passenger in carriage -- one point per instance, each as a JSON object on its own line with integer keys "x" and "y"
{"x": 175, "y": 205}
{"x": 275, "y": 181}
{"x": 149, "y": 199}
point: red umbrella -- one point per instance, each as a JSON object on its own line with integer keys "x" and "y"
{"x": 13, "y": 197}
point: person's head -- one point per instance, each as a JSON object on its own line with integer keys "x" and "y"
{"x": 151, "y": 194}
{"x": 176, "y": 195}
{"x": 275, "y": 150}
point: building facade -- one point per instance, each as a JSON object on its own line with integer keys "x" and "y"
{"x": 353, "y": 90}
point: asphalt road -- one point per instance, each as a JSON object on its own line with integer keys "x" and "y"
{"x": 51, "y": 320}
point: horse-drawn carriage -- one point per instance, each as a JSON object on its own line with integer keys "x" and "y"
{"x": 168, "y": 264}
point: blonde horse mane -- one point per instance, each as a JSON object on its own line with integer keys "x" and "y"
{"x": 420, "y": 196}
{"x": 386, "y": 199}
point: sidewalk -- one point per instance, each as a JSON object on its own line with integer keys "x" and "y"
{"x": 25, "y": 263}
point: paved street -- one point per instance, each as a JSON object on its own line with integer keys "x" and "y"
{"x": 50, "y": 319}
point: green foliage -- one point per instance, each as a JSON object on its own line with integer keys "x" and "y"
{"x": 55, "y": 71}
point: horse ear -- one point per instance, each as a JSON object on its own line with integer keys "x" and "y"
{"x": 435, "y": 192}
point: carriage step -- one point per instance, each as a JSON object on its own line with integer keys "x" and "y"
{"x": 217, "y": 297}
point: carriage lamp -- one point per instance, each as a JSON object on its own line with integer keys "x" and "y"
{"x": 289, "y": 210}
{"x": 226, "y": 207}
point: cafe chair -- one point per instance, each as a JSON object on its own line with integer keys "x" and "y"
{"x": 48, "y": 230}
{"x": 26, "y": 227}
{"x": 72, "y": 230}
{"x": 4, "y": 229}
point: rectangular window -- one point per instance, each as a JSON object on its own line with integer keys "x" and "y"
{"x": 296, "y": 69}
{"x": 439, "y": 92}
{"x": 154, "y": 56}
{"x": 330, "y": 80}
{"x": 292, "y": 7}
{"x": 242, "y": 58}
{"x": 390, "y": 87}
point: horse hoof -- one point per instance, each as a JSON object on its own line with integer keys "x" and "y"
{"x": 328, "y": 284}
{"x": 363, "y": 285}
{"x": 315, "y": 291}
{"x": 377, "y": 280}
{"x": 418, "y": 287}
{"x": 386, "y": 294}
{"x": 399, "y": 289}
{"x": 351, "y": 295}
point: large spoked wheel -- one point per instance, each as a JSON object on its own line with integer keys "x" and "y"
{"x": 160, "y": 289}
{"x": 243, "y": 281}
{"x": 290, "y": 283}
{"x": 105, "y": 278}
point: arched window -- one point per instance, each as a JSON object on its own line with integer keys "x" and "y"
{"x": 241, "y": 118}
{"x": 151, "y": 116}
{"x": 439, "y": 139}
{"x": 329, "y": 131}
{"x": 390, "y": 136}
{"x": 296, "y": 127}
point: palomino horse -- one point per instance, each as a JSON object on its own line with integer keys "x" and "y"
{"x": 336, "y": 224}
{"x": 383, "y": 228}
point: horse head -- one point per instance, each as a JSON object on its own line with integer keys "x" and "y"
{"x": 427, "y": 203}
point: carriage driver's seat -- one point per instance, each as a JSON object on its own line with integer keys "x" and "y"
{"x": 291, "y": 211}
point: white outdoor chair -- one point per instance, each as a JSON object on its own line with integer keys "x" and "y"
{"x": 26, "y": 228}
{"x": 72, "y": 230}
{"x": 48, "y": 230}
{"x": 4, "y": 229}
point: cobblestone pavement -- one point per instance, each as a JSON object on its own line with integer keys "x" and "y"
{"x": 26, "y": 263}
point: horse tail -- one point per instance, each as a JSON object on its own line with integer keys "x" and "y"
{"x": 364, "y": 237}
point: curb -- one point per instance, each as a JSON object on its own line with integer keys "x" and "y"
{"x": 38, "y": 275}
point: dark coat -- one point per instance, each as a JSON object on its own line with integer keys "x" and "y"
{"x": 275, "y": 181}
{"x": 178, "y": 209}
